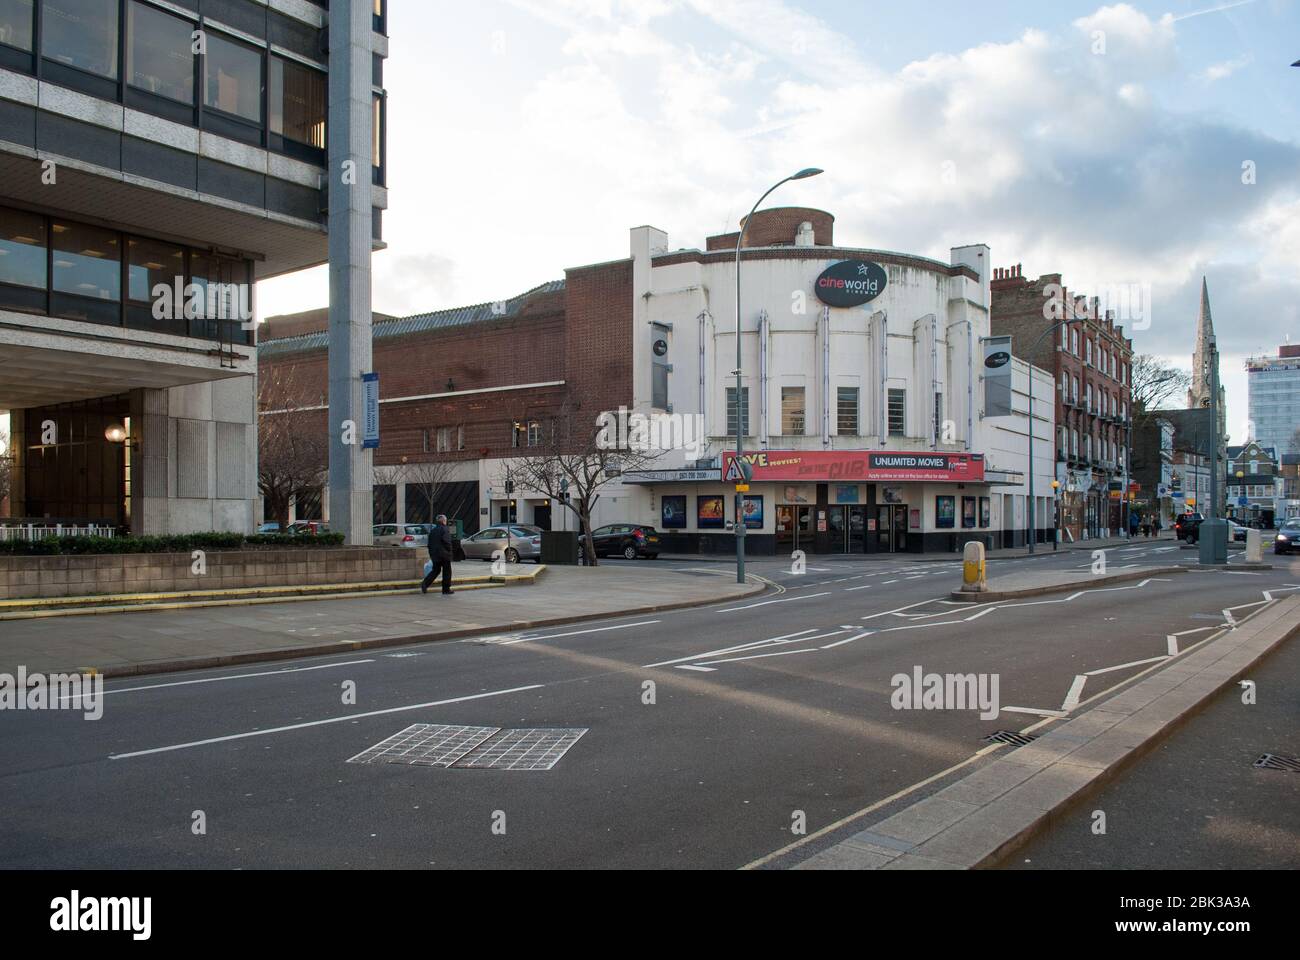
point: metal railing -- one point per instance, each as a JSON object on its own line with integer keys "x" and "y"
{"x": 41, "y": 531}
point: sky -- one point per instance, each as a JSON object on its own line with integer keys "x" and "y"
{"x": 1147, "y": 144}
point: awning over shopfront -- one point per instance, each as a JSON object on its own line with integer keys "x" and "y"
{"x": 860, "y": 466}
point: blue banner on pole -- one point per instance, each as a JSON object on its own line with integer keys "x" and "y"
{"x": 370, "y": 432}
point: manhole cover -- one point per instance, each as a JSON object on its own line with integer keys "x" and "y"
{"x": 426, "y": 744}
{"x": 522, "y": 750}
{"x": 1271, "y": 761}
{"x": 1008, "y": 736}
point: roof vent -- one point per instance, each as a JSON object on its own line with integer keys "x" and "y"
{"x": 805, "y": 236}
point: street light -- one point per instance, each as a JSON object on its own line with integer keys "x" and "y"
{"x": 740, "y": 440}
{"x": 1056, "y": 505}
{"x": 1033, "y": 506}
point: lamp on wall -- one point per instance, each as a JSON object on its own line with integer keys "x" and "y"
{"x": 115, "y": 433}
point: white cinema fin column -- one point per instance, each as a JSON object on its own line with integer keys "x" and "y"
{"x": 350, "y": 121}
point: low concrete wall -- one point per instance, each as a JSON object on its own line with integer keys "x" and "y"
{"x": 78, "y": 576}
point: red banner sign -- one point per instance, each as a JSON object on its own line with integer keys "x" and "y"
{"x": 861, "y": 466}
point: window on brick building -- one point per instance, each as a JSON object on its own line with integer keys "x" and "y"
{"x": 1074, "y": 342}
{"x": 444, "y": 439}
{"x": 534, "y": 433}
{"x": 424, "y": 440}
{"x": 460, "y": 437}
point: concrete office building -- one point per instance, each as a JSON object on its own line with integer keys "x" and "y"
{"x": 156, "y": 160}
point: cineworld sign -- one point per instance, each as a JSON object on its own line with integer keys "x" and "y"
{"x": 851, "y": 283}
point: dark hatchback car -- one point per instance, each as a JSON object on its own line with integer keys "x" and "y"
{"x": 626, "y": 540}
{"x": 1187, "y": 526}
{"x": 1288, "y": 536}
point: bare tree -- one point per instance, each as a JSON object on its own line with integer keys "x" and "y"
{"x": 570, "y": 459}
{"x": 292, "y": 449}
{"x": 429, "y": 482}
{"x": 1155, "y": 384}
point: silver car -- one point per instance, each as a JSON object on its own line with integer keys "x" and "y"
{"x": 515, "y": 541}
{"x": 407, "y": 535}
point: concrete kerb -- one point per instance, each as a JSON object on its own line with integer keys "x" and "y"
{"x": 375, "y": 643}
{"x": 982, "y": 819}
{"x": 1089, "y": 583}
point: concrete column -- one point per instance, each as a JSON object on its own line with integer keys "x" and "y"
{"x": 350, "y": 122}
{"x": 399, "y": 494}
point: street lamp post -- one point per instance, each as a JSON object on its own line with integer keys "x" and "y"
{"x": 1056, "y": 514}
{"x": 740, "y": 439}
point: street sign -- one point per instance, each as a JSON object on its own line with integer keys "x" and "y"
{"x": 738, "y": 471}
{"x": 742, "y": 488}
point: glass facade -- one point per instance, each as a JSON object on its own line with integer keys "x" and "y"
{"x": 16, "y": 23}
{"x": 77, "y": 271}
{"x": 81, "y": 34}
{"x": 159, "y": 57}
{"x": 234, "y": 86}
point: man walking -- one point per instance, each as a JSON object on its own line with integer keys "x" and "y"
{"x": 440, "y": 553}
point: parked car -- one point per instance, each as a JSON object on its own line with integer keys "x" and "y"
{"x": 1237, "y": 531}
{"x": 516, "y": 541}
{"x": 307, "y": 528}
{"x": 269, "y": 528}
{"x": 1186, "y": 526}
{"x": 1288, "y": 536}
{"x": 626, "y": 540}
{"x": 407, "y": 535}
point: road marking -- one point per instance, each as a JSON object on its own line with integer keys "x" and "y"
{"x": 760, "y": 656}
{"x": 840, "y": 643}
{"x": 1123, "y": 666}
{"x": 574, "y": 633}
{"x": 240, "y": 676}
{"x": 1076, "y": 691}
{"x": 320, "y": 723}
{"x": 851, "y": 589}
{"x": 888, "y": 582}
{"x": 751, "y": 606}
{"x": 1031, "y": 710}
{"x": 886, "y": 613}
{"x": 1173, "y": 645}
{"x": 735, "y": 648}
{"x": 687, "y": 666}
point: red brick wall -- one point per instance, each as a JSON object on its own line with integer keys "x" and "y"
{"x": 778, "y": 226}
{"x": 598, "y": 333}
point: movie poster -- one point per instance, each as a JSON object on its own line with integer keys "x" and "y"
{"x": 710, "y": 513}
{"x": 968, "y": 513}
{"x": 753, "y": 513}
{"x": 985, "y": 512}
{"x": 945, "y": 512}
{"x": 673, "y": 513}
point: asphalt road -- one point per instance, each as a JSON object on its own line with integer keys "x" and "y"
{"x": 763, "y": 708}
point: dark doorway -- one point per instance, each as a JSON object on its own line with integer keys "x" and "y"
{"x": 542, "y": 516}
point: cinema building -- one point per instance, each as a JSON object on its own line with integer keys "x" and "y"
{"x": 877, "y": 413}
{"x": 147, "y": 146}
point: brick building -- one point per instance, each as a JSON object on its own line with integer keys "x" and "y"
{"x": 1091, "y": 362}
{"x": 466, "y": 388}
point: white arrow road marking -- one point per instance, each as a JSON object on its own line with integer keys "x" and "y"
{"x": 321, "y": 723}
{"x": 687, "y": 666}
{"x": 1076, "y": 691}
{"x": 760, "y": 656}
{"x": 765, "y": 603}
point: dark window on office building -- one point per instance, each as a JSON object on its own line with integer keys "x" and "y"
{"x": 16, "y": 23}
{"x": 81, "y": 34}
{"x": 22, "y": 260}
{"x": 152, "y": 263}
{"x": 159, "y": 57}
{"x": 898, "y": 413}
{"x": 87, "y": 273}
{"x": 297, "y": 102}
{"x": 233, "y": 79}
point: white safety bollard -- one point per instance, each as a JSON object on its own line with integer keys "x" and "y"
{"x": 972, "y": 569}
{"x": 1254, "y": 546}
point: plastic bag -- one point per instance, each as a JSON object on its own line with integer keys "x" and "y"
{"x": 428, "y": 567}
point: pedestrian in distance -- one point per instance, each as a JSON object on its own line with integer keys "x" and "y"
{"x": 1155, "y": 524}
{"x": 440, "y": 554}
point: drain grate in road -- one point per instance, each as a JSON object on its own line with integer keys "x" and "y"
{"x": 427, "y": 745}
{"x": 1008, "y": 736}
{"x": 522, "y": 750}
{"x": 1271, "y": 761}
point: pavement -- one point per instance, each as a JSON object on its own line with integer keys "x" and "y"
{"x": 126, "y": 640}
{"x": 1197, "y": 800}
